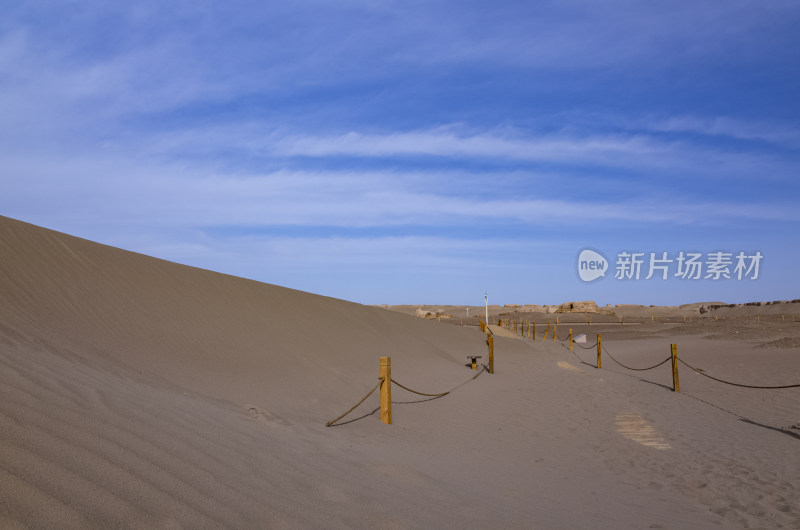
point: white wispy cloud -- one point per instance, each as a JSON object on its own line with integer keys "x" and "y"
{"x": 778, "y": 133}
{"x": 632, "y": 151}
{"x": 362, "y": 252}
{"x": 442, "y": 142}
{"x": 151, "y": 195}
{"x": 172, "y": 56}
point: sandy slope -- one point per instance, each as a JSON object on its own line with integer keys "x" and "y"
{"x": 140, "y": 393}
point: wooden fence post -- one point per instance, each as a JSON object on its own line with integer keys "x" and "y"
{"x": 599, "y": 347}
{"x": 490, "y": 342}
{"x": 676, "y": 385}
{"x": 570, "y": 340}
{"x": 386, "y": 390}
{"x": 555, "y": 328}
{"x": 546, "y": 330}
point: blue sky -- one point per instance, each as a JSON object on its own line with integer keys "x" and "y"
{"x": 413, "y": 152}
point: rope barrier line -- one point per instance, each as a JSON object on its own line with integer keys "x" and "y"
{"x": 587, "y": 347}
{"x": 636, "y": 369}
{"x": 735, "y": 384}
{"x": 484, "y": 368}
{"x": 701, "y": 372}
{"x": 330, "y": 423}
{"x": 563, "y": 344}
{"x": 420, "y": 393}
{"x": 579, "y": 357}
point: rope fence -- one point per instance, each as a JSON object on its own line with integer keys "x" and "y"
{"x": 420, "y": 393}
{"x": 603, "y": 318}
{"x": 520, "y": 327}
{"x": 674, "y": 357}
{"x": 701, "y": 372}
{"x": 386, "y": 377}
{"x": 333, "y": 422}
{"x": 354, "y": 407}
{"x": 631, "y": 367}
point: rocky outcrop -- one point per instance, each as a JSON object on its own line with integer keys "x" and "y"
{"x": 578, "y": 307}
{"x": 437, "y": 313}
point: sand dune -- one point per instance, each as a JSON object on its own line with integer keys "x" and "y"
{"x": 140, "y": 393}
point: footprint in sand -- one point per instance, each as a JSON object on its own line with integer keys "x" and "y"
{"x": 634, "y": 427}
{"x": 566, "y": 366}
{"x": 264, "y": 416}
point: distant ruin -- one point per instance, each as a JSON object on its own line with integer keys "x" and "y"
{"x": 437, "y": 313}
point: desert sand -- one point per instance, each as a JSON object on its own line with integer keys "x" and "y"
{"x": 138, "y": 393}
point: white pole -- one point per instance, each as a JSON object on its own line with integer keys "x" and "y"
{"x": 486, "y": 298}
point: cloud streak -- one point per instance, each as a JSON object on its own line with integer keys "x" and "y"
{"x": 441, "y": 142}
{"x": 174, "y": 196}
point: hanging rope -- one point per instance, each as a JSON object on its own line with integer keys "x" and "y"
{"x": 354, "y": 407}
{"x": 632, "y": 368}
{"x": 420, "y": 393}
{"x": 735, "y": 384}
{"x": 578, "y": 357}
{"x": 331, "y": 423}
{"x": 484, "y": 368}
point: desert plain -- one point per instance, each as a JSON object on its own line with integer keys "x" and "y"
{"x": 139, "y": 393}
